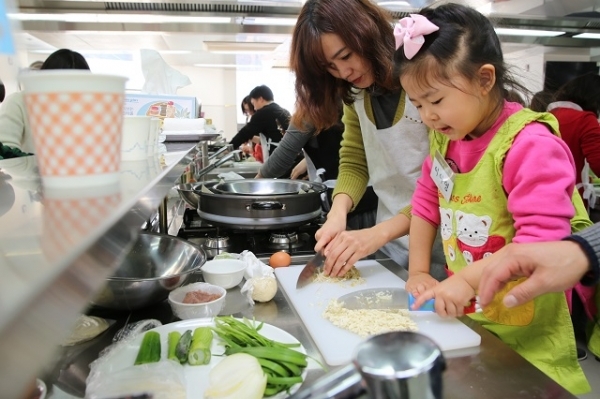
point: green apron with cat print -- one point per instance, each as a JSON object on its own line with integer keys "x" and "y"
{"x": 476, "y": 223}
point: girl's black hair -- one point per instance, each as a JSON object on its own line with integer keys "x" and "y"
{"x": 583, "y": 90}
{"x": 465, "y": 41}
{"x": 65, "y": 59}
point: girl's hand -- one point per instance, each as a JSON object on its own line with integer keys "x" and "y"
{"x": 419, "y": 283}
{"x": 451, "y": 296}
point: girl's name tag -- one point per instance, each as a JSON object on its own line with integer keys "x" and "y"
{"x": 442, "y": 175}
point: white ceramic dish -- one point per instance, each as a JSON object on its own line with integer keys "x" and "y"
{"x": 196, "y": 377}
{"x": 196, "y": 310}
{"x": 226, "y": 273}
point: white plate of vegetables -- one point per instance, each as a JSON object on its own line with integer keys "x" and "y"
{"x": 276, "y": 358}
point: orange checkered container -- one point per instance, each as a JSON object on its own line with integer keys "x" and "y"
{"x": 76, "y": 119}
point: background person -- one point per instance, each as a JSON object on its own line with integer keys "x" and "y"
{"x": 268, "y": 120}
{"x": 540, "y": 100}
{"x": 252, "y": 147}
{"x": 384, "y": 141}
{"x": 14, "y": 125}
{"x": 504, "y": 158}
{"x": 576, "y": 106}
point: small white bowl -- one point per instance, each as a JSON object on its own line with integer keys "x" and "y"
{"x": 196, "y": 310}
{"x": 226, "y": 273}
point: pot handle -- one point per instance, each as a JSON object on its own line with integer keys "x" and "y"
{"x": 266, "y": 206}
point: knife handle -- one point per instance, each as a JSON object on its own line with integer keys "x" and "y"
{"x": 429, "y": 305}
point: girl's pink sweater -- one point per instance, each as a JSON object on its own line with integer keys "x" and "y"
{"x": 538, "y": 177}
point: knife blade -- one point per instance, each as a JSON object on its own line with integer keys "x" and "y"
{"x": 307, "y": 275}
{"x": 382, "y": 298}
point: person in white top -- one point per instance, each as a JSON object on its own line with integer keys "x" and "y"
{"x": 14, "y": 125}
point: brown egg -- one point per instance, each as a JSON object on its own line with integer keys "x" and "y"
{"x": 280, "y": 259}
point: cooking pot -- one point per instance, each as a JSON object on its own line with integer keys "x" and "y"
{"x": 186, "y": 191}
{"x": 259, "y": 211}
{"x": 262, "y": 187}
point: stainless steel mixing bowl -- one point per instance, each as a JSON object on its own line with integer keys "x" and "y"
{"x": 156, "y": 265}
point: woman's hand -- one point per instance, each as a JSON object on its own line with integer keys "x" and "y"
{"x": 347, "y": 248}
{"x": 334, "y": 225}
{"x": 299, "y": 169}
{"x": 451, "y": 296}
{"x": 418, "y": 283}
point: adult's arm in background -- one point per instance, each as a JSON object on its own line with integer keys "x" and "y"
{"x": 258, "y": 123}
{"x": 286, "y": 152}
{"x": 552, "y": 266}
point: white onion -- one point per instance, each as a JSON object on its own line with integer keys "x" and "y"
{"x": 236, "y": 376}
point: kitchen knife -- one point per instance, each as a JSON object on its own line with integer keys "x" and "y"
{"x": 382, "y": 298}
{"x": 307, "y": 275}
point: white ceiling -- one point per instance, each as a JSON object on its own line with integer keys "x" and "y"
{"x": 183, "y": 44}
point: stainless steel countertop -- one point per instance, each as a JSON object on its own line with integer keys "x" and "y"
{"x": 490, "y": 371}
{"x": 57, "y": 247}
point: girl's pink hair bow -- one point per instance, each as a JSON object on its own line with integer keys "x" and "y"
{"x": 410, "y": 31}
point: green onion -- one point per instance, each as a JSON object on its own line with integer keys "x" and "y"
{"x": 200, "y": 348}
{"x": 149, "y": 351}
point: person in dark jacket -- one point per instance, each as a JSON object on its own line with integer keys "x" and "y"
{"x": 269, "y": 122}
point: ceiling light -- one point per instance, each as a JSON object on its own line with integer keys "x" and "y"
{"x": 227, "y": 66}
{"x": 174, "y": 52}
{"x": 527, "y": 32}
{"x": 587, "y": 36}
{"x": 266, "y": 21}
{"x": 240, "y": 47}
{"x": 119, "y": 18}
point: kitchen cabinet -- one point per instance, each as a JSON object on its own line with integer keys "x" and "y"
{"x": 57, "y": 248}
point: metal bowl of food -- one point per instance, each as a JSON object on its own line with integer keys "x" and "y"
{"x": 156, "y": 265}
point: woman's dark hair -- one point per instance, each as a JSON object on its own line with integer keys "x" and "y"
{"x": 540, "y": 100}
{"x": 465, "y": 41}
{"x": 65, "y": 59}
{"x": 583, "y": 90}
{"x": 365, "y": 28}
{"x": 247, "y": 102}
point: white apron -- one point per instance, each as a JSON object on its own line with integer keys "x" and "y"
{"x": 394, "y": 158}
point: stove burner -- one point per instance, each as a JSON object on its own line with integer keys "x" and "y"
{"x": 218, "y": 242}
{"x": 215, "y": 240}
{"x": 284, "y": 240}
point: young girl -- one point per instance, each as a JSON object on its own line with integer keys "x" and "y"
{"x": 497, "y": 174}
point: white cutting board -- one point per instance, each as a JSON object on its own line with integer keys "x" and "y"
{"x": 337, "y": 345}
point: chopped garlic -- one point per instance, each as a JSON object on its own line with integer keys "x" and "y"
{"x": 366, "y": 322}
